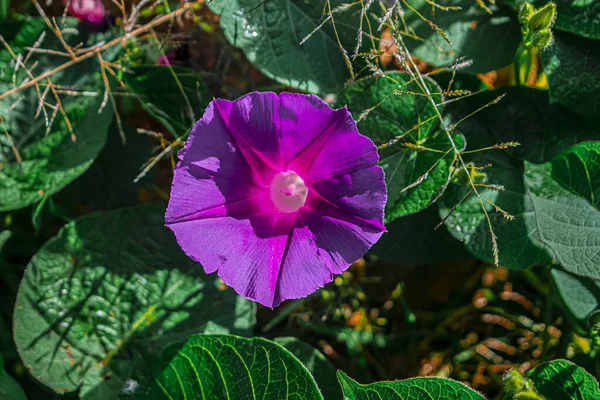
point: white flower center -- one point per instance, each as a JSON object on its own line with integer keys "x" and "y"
{"x": 288, "y": 191}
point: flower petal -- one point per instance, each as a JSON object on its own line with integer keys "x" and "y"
{"x": 303, "y": 119}
{"x": 211, "y": 173}
{"x": 253, "y": 121}
{"x": 339, "y": 150}
{"x": 360, "y": 194}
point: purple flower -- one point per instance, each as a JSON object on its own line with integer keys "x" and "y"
{"x": 87, "y": 10}
{"x": 277, "y": 194}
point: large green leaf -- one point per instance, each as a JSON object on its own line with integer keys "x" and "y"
{"x": 176, "y": 96}
{"x": 518, "y": 240}
{"x": 472, "y": 32}
{"x": 112, "y": 286}
{"x": 51, "y": 158}
{"x": 270, "y": 33}
{"x": 580, "y": 295}
{"x": 572, "y": 65}
{"x": 563, "y": 380}
{"x": 524, "y": 115}
{"x": 565, "y": 197}
{"x": 415, "y": 177}
{"x": 9, "y": 388}
{"x": 423, "y": 388}
{"x": 231, "y": 367}
{"x": 316, "y": 363}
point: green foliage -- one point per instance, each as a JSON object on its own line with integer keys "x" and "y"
{"x": 565, "y": 200}
{"x": 316, "y": 363}
{"x": 394, "y": 117}
{"x": 518, "y": 240}
{"x": 579, "y": 294}
{"x": 563, "y": 380}
{"x": 423, "y": 388}
{"x": 113, "y": 284}
{"x": 571, "y": 64}
{"x": 410, "y": 239}
{"x": 176, "y": 96}
{"x": 110, "y": 307}
{"x": 9, "y": 388}
{"x": 231, "y": 367}
{"x": 37, "y": 161}
{"x": 270, "y": 33}
{"x": 489, "y": 39}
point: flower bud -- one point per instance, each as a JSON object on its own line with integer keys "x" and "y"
{"x": 525, "y": 13}
{"x": 543, "y": 18}
{"x": 542, "y": 39}
{"x": 87, "y": 10}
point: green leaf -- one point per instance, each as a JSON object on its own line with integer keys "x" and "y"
{"x": 489, "y": 40}
{"x": 270, "y": 33}
{"x": 112, "y": 286}
{"x": 572, "y": 65}
{"x": 563, "y": 380}
{"x": 4, "y": 4}
{"x": 565, "y": 197}
{"x": 579, "y": 294}
{"x": 9, "y": 388}
{"x": 518, "y": 240}
{"x": 523, "y": 115}
{"x": 55, "y": 160}
{"x": 423, "y": 388}
{"x": 409, "y": 240}
{"x": 50, "y": 157}
{"x": 176, "y": 96}
{"x": 316, "y": 363}
{"x": 415, "y": 178}
{"x": 231, "y": 367}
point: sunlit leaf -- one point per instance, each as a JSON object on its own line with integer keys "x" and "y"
{"x": 110, "y": 287}
{"x": 231, "y": 367}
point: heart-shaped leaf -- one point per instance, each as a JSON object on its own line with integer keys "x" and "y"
{"x": 110, "y": 286}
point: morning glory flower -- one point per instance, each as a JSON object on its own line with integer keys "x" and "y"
{"x": 276, "y": 193}
{"x": 87, "y": 10}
